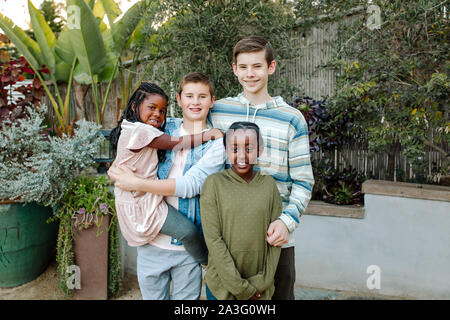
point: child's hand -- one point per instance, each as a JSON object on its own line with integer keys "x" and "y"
{"x": 256, "y": 296}
{"x": 124, "y": 178}
{"x": 277, "y": 234}
{"x": 212, "y": 134}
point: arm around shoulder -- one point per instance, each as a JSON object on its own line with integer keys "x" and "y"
{"x": 190, "y": 184}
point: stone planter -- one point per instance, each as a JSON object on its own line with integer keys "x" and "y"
{"x": 91, "y": 256}
{"x": 27, "y": 242}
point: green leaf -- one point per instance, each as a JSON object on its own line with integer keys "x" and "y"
{"x": 85, "y": 36}
{"x": 26, "y": 46}
{"x": 63, "y": 46}
{"x": 44, "y": 36}
{"x": 81, "y": 76}
{"x": 90, "y": 3}
{"x": 99, "y": 10}
{"x": 108, "y": 70}
{"x": 112, "y": 10}
{"x": 62, "y": 71}
{"x": 128, "y": 23}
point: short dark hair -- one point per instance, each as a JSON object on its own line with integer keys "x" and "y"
{"x": 244, "y": 125}
{"x": 253, "y": 44}
{"x": 196, "y": 77}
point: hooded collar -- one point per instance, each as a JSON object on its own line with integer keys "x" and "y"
{"x": 235, "y": 177}
{"x": 273, "y": 103}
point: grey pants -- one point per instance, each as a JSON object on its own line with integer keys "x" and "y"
{"x": 157, "y": 268}
{"x": 181, "y": 228}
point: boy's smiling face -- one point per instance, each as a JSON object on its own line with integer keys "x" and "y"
{"x": 252, "y": 71}
{"x": 195, "y": 100}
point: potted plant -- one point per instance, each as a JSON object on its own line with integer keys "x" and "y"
{"x": 35, "y": 170}
{"x": 88, "y": 253}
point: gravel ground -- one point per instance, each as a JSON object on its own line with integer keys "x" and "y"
{"x": 45, "y": 287}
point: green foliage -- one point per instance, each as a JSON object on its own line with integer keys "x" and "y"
{"x": 114, "y": 262}
{"x": 37, "y": 167}
{"x": 64, "y": 252}
{"x": 393, "y": 82}
{"x": 87, "y": 195}
{"x": 52, "y": 14}
{"x": 335, "y": 186}
{"x": 85, "y": 49}
{"x": 200, "y": 36}
{"x": 84, "y": 204}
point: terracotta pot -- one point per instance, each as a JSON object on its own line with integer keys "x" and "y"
{"x": 90, "y": 247}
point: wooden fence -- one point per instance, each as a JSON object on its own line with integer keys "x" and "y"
{"x": 374, "y": 165}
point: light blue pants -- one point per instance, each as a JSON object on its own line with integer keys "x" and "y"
{"x": 157, "y": 267}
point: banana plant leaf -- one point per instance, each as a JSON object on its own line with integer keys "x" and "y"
{"x": 125, "y": 27}
{"x": 63, "y": 46}
{"x": 44, "y": 36}
{"x": 85, "y": 37}
{"x": 27, "y": 46}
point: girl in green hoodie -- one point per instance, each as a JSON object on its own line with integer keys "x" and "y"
{"x": 237, "y": 207}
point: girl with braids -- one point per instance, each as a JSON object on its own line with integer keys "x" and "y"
{"x": 140, "y": 142}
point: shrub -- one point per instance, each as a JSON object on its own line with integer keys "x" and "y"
{"x": 35, "y": 166}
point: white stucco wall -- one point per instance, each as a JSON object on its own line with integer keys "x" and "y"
{"x": 408, "y": 239}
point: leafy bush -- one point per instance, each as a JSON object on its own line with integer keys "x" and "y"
{"x": 326, "y": 134}
{"x": 200, "y": 35}
{"x": 13, "y": 71}
{"x": 392, "y": 81}
{"x": 338, "y": 187}
{"x": 35, "y": 166}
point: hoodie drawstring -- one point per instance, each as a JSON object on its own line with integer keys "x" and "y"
{"x": 248, "y": 110}
{"x": 256, "y": 110}
{"x": 254, "y": 114}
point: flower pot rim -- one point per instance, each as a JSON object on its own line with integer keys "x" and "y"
{"x": 7, "y": 201}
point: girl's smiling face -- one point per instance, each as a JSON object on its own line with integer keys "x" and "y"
{"x": 242, "y": 151}
{"x": 153, "y": 109}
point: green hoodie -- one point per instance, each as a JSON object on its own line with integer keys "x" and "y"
{"x": 235, "y": 218}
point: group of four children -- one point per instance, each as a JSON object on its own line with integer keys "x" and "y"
{"x": 173, "y": 194}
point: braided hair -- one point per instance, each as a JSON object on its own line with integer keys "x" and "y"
{"x": 131, "y": 113}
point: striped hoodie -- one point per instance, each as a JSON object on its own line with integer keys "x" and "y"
{"x": 286, "y": 149}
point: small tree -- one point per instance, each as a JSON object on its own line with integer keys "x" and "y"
{"x": 52, "y": 14}
{"x": 200, "y": 36}
{"x": 392, "y": 62}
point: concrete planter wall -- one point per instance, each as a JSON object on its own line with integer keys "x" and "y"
{"x": 402, "y": 235}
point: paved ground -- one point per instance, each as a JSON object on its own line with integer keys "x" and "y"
{"x": 45, "y": 287}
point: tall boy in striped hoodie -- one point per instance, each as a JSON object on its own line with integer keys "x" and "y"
{"x": 286, "y": 151}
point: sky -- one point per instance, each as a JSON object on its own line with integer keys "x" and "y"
{"x": 17, "y": 10}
